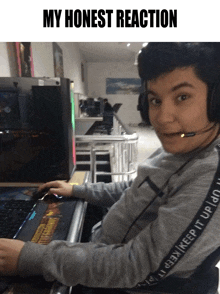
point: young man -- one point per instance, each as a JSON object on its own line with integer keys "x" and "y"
{"x": 162, "y": 230}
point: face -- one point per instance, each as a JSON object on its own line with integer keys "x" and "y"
{"x": 177, "y": 105}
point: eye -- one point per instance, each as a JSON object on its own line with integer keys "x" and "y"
{"x": 154, "y": 101}
{"x": 182, "y": 97}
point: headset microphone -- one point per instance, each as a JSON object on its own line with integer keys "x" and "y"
{"x": 192, "y": 134}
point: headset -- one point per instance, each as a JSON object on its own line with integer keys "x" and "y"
{"x": 214, "y": 104}
{"x": 213, "y": 109}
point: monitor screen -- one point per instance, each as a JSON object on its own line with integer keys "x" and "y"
{"x": 36, "y": 130}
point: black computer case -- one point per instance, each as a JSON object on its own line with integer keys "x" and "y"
{"x": 36, "y": 129}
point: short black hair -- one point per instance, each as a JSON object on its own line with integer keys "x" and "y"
{"x": 162, "y": 57}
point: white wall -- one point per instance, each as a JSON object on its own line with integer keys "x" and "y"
{"x": 43, "y": 62}
{"x": 4, "y": 62}
{"x": 72, "y": 66}
{"x": 97, "y": 74}
{"x": 43, "y": 59}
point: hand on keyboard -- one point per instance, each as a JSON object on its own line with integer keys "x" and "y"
{"x": 60, "y": 188}
{"x": 9, "y": 254}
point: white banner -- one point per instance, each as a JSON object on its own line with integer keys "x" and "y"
{"x": 73, "y": 21}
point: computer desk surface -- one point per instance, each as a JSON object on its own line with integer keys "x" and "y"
{"x": 74, "y": 235}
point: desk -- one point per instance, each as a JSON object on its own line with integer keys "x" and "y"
{"x": 37, "y": 285}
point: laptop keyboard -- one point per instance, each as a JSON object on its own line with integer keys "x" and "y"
{"x": 13, "y": 215}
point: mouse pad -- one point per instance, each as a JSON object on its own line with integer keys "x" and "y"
{"x": 48, "y": 221}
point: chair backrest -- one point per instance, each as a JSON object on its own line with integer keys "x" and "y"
{"x": 209, "y": 262}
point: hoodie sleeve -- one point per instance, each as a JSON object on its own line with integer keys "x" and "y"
{"x": 101, "y": 194}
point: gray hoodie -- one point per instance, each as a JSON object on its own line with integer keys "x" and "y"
{"x": 153, "y": 228}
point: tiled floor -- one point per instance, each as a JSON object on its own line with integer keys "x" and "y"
{"x": 147, "y": 144}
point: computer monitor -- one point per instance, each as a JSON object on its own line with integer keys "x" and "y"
{"x": 37, "y": 129}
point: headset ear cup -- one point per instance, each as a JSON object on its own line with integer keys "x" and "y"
{"x": 143, "y": 107}
{"x": 214, "y": 104}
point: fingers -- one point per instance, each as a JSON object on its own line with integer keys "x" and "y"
{"x": 60, "y": 188}
{"x": 52, "y": 184}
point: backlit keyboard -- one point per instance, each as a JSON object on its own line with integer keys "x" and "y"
{"x": 13, "y": 214}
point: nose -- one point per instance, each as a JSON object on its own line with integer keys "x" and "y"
{"x": 166, "y": 113}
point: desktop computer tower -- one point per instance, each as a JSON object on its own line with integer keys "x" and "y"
{"x": 37, "y": 136}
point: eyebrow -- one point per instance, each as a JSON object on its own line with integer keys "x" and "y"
{"x": 184, "y": 84}
{"x": 177, "y": 87}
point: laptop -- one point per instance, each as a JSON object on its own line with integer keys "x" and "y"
{"x": 116, "y": 107}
